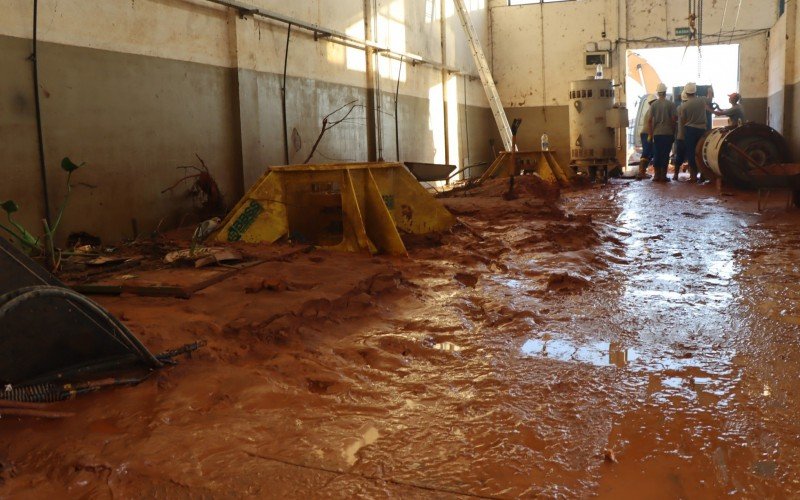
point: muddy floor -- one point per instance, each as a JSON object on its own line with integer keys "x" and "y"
{"x": 630, "y": 341}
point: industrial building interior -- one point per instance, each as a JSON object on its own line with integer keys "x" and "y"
{"x": 399, "y": 248}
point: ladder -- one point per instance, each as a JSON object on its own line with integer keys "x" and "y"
{"x": 486, "y": 76}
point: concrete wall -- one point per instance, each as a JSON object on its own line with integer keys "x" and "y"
{"x": 777, "y": 75}
{"x": 137, "y": 88}
{"x": 784, "y": 78}
{"x": 539, "y": 48}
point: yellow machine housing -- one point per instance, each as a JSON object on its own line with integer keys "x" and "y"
{"x": 509, "y": 164}
{"x": 355, "y": 207}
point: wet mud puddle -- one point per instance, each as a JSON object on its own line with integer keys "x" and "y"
{"x": 633, "y": 341}
{"x": 676, "y": 323}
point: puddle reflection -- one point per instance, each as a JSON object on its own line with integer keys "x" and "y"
{"x": 596, "y": 353}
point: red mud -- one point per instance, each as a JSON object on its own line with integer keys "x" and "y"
{"x": 629, "y": 341}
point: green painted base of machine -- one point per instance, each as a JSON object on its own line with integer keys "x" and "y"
{"x": 355, "y": 207}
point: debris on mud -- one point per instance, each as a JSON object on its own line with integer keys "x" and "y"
{"x": 566, "y": 282}
{"x": 519, "y": 354}
{"x": 467, "y": 279}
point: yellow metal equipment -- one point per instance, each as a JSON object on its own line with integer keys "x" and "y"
{"x": 543, "y": 163}
{"x": 351, "y": 206}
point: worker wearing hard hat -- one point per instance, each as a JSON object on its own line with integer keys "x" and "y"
{"x": 647, "y": 141}
{"x": 680, "y": 140}
{"x": 661, "y": 127}
{"x": 735, "y": 113}
{"x": 693, "y": 116}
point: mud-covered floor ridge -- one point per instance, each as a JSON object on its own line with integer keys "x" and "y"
{"x": 630, "y": 340}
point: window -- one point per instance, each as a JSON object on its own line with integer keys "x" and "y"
{"x": 529, "y": 2}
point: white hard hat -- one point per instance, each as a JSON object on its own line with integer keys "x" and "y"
{"x": 690, "y": 88}
{"x": 661, "y": 89}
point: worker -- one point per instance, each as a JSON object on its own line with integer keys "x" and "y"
{"x": 709, "y": 107}
{"x": 661, "y": 126}
{"x": 693, "y": 117}
{"x": 647, "y": 141}
{"x": 735, "y": 113}
{"x": 680, "y": 142}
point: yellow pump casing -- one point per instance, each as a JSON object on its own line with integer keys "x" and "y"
{"x": 349, "y": 206}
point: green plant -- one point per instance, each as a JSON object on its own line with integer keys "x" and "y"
{"x": 25, "y": 238}
{"x": 29, "y": 241}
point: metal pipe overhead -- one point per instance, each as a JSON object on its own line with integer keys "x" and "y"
{"x": 334, "y": 35}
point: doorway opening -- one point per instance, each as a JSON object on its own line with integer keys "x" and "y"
{"x": 713, "y": 67}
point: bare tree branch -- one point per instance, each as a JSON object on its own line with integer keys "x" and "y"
{"x": 327, "y": 125}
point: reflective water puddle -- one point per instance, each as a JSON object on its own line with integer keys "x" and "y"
{"x": 595, "y": 353}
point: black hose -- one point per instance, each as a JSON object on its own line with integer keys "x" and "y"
{"x": 39, "y": 135}
{"x": 52, "y": 393}
{"x": 468, "y": 167}
{"x": 11, "y": 300}
{"x": 396, "y": 117}
{"x": 466, "y": 117}
{"x": 40, "y": 393}
{"x": 283, "y": 97}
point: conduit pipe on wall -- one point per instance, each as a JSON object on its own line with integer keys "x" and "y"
{"x": 335, "y": 36}
{"x": 396, "y": 116}
{"x": 283, "y": 97}
{"x": 34, "y": 59}
{"x": 374, "y": 95}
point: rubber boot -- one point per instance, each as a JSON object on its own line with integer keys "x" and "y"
{"x": 693, "y": 174}
{"x": 677, "y": 172}
{"x": 656, "y": 174}
{"x": 643, "y": 169}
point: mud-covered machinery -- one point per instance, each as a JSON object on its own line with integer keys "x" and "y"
{"x": 355, "y": 207}
{"x": 750, "y": 156}
{"x": 593, "y": 121}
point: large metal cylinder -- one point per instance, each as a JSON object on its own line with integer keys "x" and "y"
{"x": 733, "y": 153}
{"x": 591, "y": 139}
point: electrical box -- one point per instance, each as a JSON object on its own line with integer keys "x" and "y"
{"x": 604, "y": 45}
{"x": 592, "y": 59}
{"x": 617, "y": 117}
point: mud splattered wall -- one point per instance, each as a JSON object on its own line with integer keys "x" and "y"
{"x": 137, "y": 88}
{"x": 536, "y": 89}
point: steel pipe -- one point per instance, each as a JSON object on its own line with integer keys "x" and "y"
{"x": 334, "y": 35}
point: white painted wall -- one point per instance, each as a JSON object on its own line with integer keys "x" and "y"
{"x": 569, "y": 25}
{"x": 795, "y": 43}
{"x": 202, "y": 32}
{"x": 777, "y": 71}
{"x": 784, "y": 99}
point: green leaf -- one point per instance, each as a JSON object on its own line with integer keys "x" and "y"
{"x": 69, "y": 166}
{"x": 9, "y": 206}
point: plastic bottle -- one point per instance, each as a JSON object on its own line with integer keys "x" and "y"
{"x": 598, "y": 72}
{"x": 545, "y": 142}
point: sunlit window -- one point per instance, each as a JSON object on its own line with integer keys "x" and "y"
{"x": 529, "y": 2}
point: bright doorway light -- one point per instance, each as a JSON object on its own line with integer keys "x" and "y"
{"x": 715, "y": 65}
